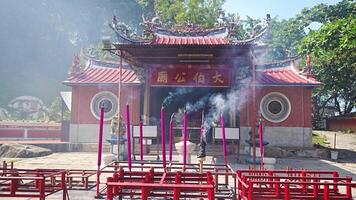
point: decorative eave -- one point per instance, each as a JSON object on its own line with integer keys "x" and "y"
{"x": 192, "y": 44}
{"x": 282, "y": 73}
{"x": 153, "y": 30}
{"x": 96, "y": 73}
{"x": 279, "y": 63}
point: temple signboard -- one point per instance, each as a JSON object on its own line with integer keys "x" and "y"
{"x": 220, "y": 77}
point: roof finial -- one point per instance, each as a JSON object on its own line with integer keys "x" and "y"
{"x": 307, "y": 68}
{"x": 75, "y": 68}
{"x": 268, "y": 19}
{"x": 308, "y": 60}
{"x": 114, "y": 22}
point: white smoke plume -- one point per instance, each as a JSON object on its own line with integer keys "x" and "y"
{"x": 172, "y": 96}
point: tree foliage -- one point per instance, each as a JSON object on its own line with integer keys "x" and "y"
{"x": 179, "y": 12}
{"x": 55, "y": 111}
{"x": 333, "y": 48}
{"x": 286, "y": 35}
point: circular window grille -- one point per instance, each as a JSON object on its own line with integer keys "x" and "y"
{"x": 106, "y": 99}
{"x": 275, "y": 107}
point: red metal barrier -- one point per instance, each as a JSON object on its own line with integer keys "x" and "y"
{"x": 147, "y": 180}
{"x": 32, "y": 183}
{"x": 174, "y": 185}
{"x": 142, "y": 172}
{"x": 292, "y": 184}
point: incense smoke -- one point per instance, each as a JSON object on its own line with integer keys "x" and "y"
{"x": 172, "y": 96}
{"x": 200, "y": 104}
{"x": 191, "y": 108}
{"x": 219, "y": 104}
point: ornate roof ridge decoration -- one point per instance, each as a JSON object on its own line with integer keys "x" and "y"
{"x": 224, "y": 28}
{"x": 291, "y": 64}
{"x": 93, "y": 62}
{"x": 307, "y": 70}
{"x": 254, "y": 35}
{"x": 93, "y": 74}
{"x": 76, "y": 67}
{"x": 90, "y": 60}
{"x": 190, "y": 31}
{"x": 125, "y": 34}
{"x": 278, "y": 63}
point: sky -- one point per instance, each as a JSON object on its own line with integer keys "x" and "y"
{"x": 283, "y": 9}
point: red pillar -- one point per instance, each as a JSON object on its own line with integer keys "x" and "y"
{"x": 63, "y": 185}
{"x": 210, "y": 181}
{"x": 116, "y": 179}
{"x": 42, "y": 188}
{"x": 348, "y": 188}
{"x": 286, "y": 191}
{"x": 109, "y": 189}
{"x": 176, "y": 192}
{"x": 335, "y": 176}
{"x": 250, "y": 190}
{"x": 326, "y": 191}
{"x": 277, "y": 187}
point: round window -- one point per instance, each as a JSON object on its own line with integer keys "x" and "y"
{"x": 275, "y": 107}
{"x": 107, "y": 100}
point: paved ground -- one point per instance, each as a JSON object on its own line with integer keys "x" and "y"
{"x": 80, "y": 160}
{"x": 343, "y": 140}
{"x": 346, "y": 144}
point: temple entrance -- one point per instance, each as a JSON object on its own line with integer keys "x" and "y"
{"x": 195, "y": 100}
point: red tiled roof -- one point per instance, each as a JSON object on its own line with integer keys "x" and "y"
{"x": 283, "y": 76}
{"x": 189, "y": 40}
{"x": 103, "y": 75}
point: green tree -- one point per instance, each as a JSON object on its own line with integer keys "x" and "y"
{"x": 55, "y": 111}
{"x": 286, "y": 35}
{"x": 179, "y": 12}
{"x": 333, "y": 48}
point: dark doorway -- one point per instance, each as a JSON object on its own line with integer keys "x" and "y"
{"x": 179, "y": 98}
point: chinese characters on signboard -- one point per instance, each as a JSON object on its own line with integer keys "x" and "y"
{"x": 190, "y": 77}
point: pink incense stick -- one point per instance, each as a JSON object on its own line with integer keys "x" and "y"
{"x": 163, "y": 137}
{"x": 224, "y": 137}
{"x": 101, "y": 126}
{"x": 128, "y": 134}
{"x": 171, "y": 138}
{"x": 184, "y": 139}
{"x": 260, "y": 130}
{"x": 141, "y": 141}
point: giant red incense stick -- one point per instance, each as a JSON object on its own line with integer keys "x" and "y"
{"x": 128, "y": 134}
{"x": 260, "y": 130}
{"x": 184, "y": 140}
{"x": 101, "y": 127}
{"x": 100, "y": 147}
{"x": 163, "y": 137}
{"x": 224, "y": 137}
{"x": 171, "y": 138}
{"x": 141, "y": 141}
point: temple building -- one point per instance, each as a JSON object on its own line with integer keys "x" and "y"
{"x": 198, "y": 70}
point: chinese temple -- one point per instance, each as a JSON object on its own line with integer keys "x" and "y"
{"x": 187, "y": 68}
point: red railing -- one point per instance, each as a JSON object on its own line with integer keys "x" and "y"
{"x": 32, "y": 183}
{"x": 293, "y": 184}
{"x": 174, "y": 185}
